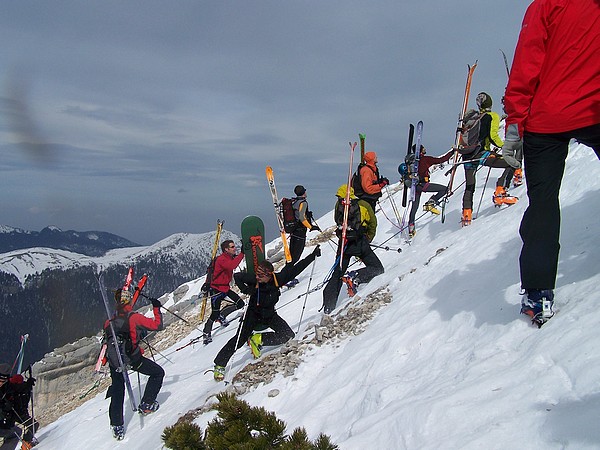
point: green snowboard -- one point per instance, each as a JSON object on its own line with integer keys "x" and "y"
{"x": 253, "y": 242}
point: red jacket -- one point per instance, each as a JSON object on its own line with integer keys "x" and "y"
{"x": 139, "y": 322}
{"x": 223, "y": 272}
{"x": 554, "y": 82}
{"x": 425, "y": 162}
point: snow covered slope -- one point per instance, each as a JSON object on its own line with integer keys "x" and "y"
{"x": 448, "y": 364}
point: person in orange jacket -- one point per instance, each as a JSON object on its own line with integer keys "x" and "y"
{"x": 371, "y": 182}
{"x": 553, "y": 96}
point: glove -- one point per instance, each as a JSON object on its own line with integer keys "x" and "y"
{"x": 205, "y": 287}
{"x": 30, "y": 382}
{"x": 384, "y": 182}
{"x": 242, "y": 248}
{"x": 155, "y": 303}
{"x": 512, "y": 150}
{"x": 315, "y": 228}
{"x": 317, "y": 251}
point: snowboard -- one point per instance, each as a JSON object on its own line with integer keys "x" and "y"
{"x": 253, "y": 242}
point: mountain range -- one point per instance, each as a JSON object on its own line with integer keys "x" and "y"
{"x": 52, "y": 294}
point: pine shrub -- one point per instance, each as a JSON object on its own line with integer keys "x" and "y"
{"x": 183, "y": 436}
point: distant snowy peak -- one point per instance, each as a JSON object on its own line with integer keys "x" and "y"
{"x": 23, "y": 263}
{"x": 5, "y": 229}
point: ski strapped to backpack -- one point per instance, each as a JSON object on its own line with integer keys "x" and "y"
{"x": 346, "y": 205}
{"x": 459, "y": 127}
{"x": 210, "y": 269}
{"x": 273, "y": 189}
{"x": 415, "y": 164}
{"x": 404, "y": 167}
{"x": 122, "y": 368}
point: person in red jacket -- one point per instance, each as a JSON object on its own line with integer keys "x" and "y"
{"x": 423, "y": 185}
{"x": 15, "y": 394}
{"x": 129, "y": 326}
{"x": 225, "y": 264}
{"x": 553, "y": 96}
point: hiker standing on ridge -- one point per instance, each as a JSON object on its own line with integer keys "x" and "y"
{"x": 264, "y": 290}
{"x": 481, "y": 153}
{"x": 423, "y": 185}
{"x": 361, "y": 229}
{"x": 15, "y": 394}
{"x": 553, "y": 96}
{"x": 304, "y": 223}
{"x": 220, "y": 288}
{"x": 129, "y": 326}
{"x": 371, "y": 183}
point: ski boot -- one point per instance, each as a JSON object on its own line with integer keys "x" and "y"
{"x": 352, "y": 282}
{"x": 255, "y": 343}
{"x": 118, "y": 432}
{"x": 222, "y": 321}
{"x": 518, "y": 178}
{"x": 538, "y": 305}
{"x": 467, "y": 217}
{"x": 411, "y": 230}
{"x": 206, "y": 338}
{"x": 146, "y": 408}
{"x": 501, "y": 197}
{"x": 431, "y": 207}
{"x": 219, "y": 373}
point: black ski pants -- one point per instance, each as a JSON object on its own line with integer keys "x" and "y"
{"x": 470, "y": 171}
{"x": 373, "y": 267}
{"x": 254, "y": 321}
{"x": 544, "y": 161}
{"x": 297, "y": 242}
{"x": 116, "y": 391}
{"x": 439, "y": 189}
{"x": 215, "y": 303}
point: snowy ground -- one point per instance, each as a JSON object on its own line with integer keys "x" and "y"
{"x": 448, "y": 364}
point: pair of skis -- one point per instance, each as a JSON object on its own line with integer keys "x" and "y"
{"x": 213, "y": 254}
{"x": 273, "y": 189}
{"x": 136, "y": 294}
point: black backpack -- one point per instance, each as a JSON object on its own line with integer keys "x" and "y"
{"x": 469, "y": 136}
{"x": 288, "y": 214}
{"x": 356, "y": 182}
{"x": 131, "y": 355}
{"x": 355, "y": 228}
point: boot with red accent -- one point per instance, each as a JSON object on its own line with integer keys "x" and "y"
{"x": 518, "y": 178}
{"x": 467, "y": 217}
{"x": 501, "y": 197}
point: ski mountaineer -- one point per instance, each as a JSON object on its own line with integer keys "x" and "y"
{"x": 361, "y": 229}
{"x": 483, "y": 155}
{"x": 423, "y": 185}
{"x": 553, "y": 96}
{"x": 15, "y": 394}
{"x": 370, "y": 181}
{"x": 224, "y": 266}
{"x": 130, "y": 326}
{"x": 304, "y": 220}
{"x": 264, "y": 291}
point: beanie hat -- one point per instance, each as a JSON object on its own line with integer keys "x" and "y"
{"x": 484, "y": 101}
{"x": 299, "y": 190}
{"x": 5, "y": 371}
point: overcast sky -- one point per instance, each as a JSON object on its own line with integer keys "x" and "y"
{"x": 147, "y": 118}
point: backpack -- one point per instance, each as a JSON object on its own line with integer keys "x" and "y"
{"x": 407, "y": 168}
{"x": 469, "y": 136}
{"x": 288, "y": 214}
{"x": 356, "y": 181}
{"x": 355, "y": 228}
{"x": 130, "y": 355}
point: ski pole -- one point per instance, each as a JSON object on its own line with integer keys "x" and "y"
{"x": 237, "y": 341}
{"x": 154, "y": 350}
{"x": 482, "y": 192}
{"x": 312, "y": 271}
{"x": 386, "y": 248}
{"x": 32, "y": 410}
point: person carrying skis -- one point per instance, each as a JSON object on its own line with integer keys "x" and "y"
{"x": 370, "y": 181}
{"x": 220, "y": 288}
{"x": 15, "y": 394}
{"x": 423, "y": 185}
{"x": 481, "y": 154}
{"x": 264, "y": 291}
{"x": 304, "y": 219}
{"x": 553, "y": 96}
{"x": 130, "y": 327}
{"x": 360, "y": 231}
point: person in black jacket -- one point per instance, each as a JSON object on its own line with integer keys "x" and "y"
{"x": 263, "y": 289}
{"x": 15, "y": 394}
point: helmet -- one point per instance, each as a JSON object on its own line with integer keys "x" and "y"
{"x": 299, "y": 190}
{"x": 122, "y": 297}
{"x": 484, "y": 101}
